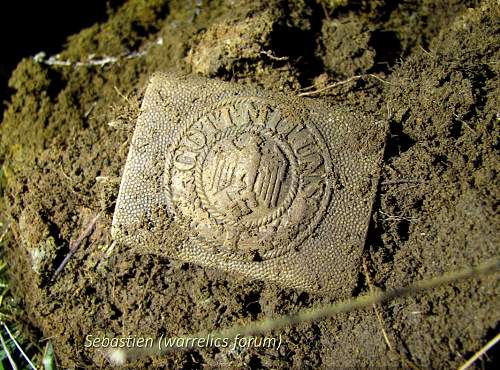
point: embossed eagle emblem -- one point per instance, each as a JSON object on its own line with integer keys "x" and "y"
{"x": 249, "y": 171}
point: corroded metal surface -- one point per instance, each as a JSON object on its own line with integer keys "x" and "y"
{"x": 274, "y": 187}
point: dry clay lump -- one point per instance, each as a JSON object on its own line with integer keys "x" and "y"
{"x": 271, "y": 186}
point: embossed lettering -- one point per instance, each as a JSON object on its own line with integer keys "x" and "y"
{"x": 249, "y": 114}
{"x": 242, "y": 166}
{"x": 312, "y": 186}
{"x": 226, "y": 116}
{"x": 207, "y": 123}
{"x": 197, "y": 139}
{"x": 302, "y": 142}
{"x": 185, "y": 161}
{"x": 257, "y": 115}
{"x": 311, "y": 164}
{"x": 285, "y": 127}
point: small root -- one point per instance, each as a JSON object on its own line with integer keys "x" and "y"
{"x": 339, "y": 83}
{"x": 74, "y": 246}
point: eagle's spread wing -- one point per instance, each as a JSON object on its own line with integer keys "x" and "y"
{"x": 270, "y": 177}
{"x": 222, "y": 176}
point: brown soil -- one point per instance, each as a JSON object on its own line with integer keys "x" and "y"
{"x": 436, "y": 208}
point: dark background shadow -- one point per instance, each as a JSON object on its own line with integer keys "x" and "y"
{"x": 28, "y": 27}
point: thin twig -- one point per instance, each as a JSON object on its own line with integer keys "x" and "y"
{"x": 379, "y": 78}
{"x": 307, "y": 88}
{"x": 327, "y": 16}
{"x": 425, "y": 51}
{"x": 339, "y": 83}
{"x": 18, "y": 346}
{"x": 87, "y": 113}
{"x": 65, "y": 175}
{"x": 93, "y": 60}
{"x": 331, "y": 86}
{"x": 74, "y": 246}
{"x": 401, "y": 181}
{"x": 481, "y": 352}
{"x": 465, "y": 123}
{"x": 261, "y": 327}
{"x": 272, "y": 56}
{"x": 389, "y": 217}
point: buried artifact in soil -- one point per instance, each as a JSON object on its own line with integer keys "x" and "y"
{"x": 270, "y": 186}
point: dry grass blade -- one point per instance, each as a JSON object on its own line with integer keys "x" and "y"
{"x": 343, "y": 82}
{"x": 13, "y": 338}
{"x": 382, "y": 323}
{"x": 120, "y": 356}
{"x": 331, "y": 86}
{"x": 7, "y": 352}
{"x": 481, "y": 352}
{"x": 377, "y": 312}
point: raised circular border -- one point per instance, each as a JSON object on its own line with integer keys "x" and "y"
{"x": 277, "y": 251}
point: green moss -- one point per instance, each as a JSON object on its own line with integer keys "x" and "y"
{"x": 123, "y": 33}
{"x": 226, "y": 44}
{"x": 23, "y": 132}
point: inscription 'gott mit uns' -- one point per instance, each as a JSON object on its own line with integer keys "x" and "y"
{"x": 245, "y": 169}
{"x": 210, "y": 127}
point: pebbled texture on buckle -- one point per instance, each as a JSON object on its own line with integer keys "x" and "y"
{"x": 268, "y": 185}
